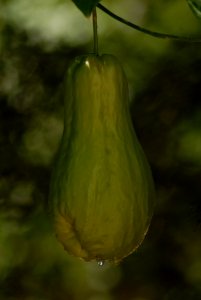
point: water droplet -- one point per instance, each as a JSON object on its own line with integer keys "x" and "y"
{"x": 101, "y": 263}
{"x": 195, "y": 5}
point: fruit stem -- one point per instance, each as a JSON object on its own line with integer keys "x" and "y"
{"x": 95, "y": 31}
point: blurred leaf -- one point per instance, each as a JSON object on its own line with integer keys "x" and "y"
{"x": 195, "y": 5}
{"x": 86, "y": 6}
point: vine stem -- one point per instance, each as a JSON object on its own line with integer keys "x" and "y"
{"x": 147, "y": 31}
{"x": 95, "y": 31}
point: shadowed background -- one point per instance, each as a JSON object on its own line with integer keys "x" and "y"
{"x": 38, "y": 39}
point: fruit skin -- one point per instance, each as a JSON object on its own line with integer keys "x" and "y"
{"x": 101, "y": 193}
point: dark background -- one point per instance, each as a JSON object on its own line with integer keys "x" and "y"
{"x": 38, "y": 39}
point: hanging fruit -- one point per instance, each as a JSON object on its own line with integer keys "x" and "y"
{"x": 102, "y": 195}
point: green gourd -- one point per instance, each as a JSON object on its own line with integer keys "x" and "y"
{"x": 101, "y": 193}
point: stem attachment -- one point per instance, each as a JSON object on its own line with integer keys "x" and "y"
{"x": 95, "y": 31}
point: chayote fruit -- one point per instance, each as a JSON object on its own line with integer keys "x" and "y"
{"x": 101, "y": 194}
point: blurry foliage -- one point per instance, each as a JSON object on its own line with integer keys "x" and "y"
{"x": 37, "y": 41}
{"x": 195, "y": 5}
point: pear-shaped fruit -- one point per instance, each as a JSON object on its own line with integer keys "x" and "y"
{"x": 102, "y": 193}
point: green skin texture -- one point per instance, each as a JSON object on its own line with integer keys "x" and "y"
{"x": 102, "y": 194}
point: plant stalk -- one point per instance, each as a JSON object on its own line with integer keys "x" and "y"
{"x": 95, "y": 31}
{"x": 147, "y": 31}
